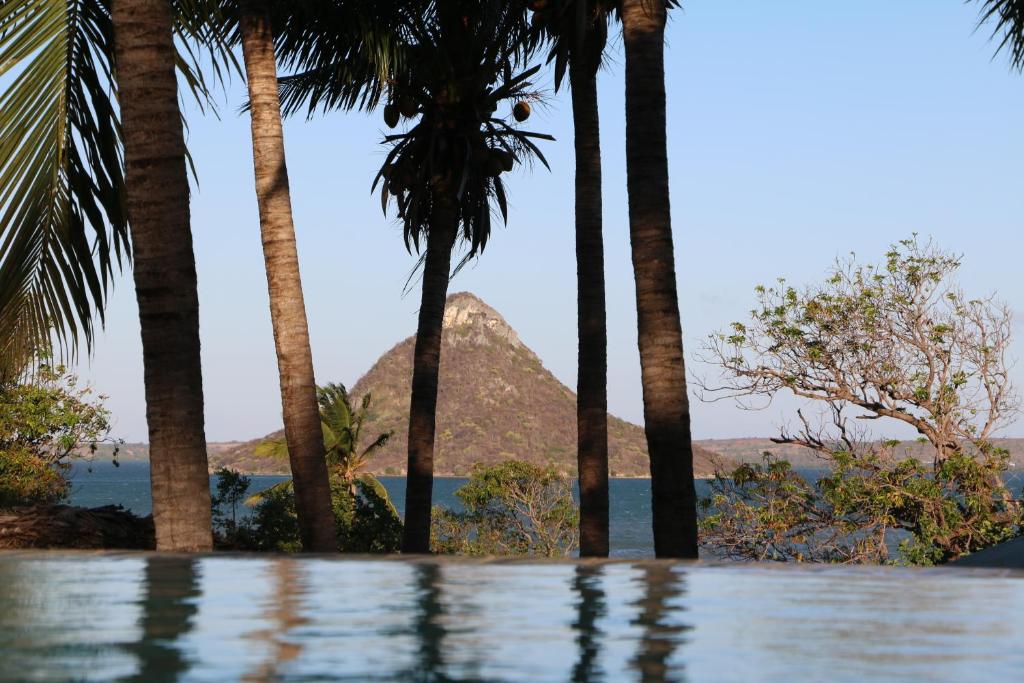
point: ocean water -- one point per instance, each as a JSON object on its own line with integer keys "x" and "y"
{"x": 101, "y": 483}
{"x": 154, "y": 618}
{"x": 629, "y": 515}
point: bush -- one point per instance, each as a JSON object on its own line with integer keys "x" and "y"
{"x": 44, "y": 422}
{"x": 364, "y": 517}
{"x": 27, "y": 479}
{"x": 513, "y": 508}
{"x": 861, "y": 511}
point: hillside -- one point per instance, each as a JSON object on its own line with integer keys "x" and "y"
{"x": 495, "y": 401}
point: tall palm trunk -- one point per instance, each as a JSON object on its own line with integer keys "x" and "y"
{"x": 302, "y": 428}
{"x": 425, "y": 369}
{"x": 666, "y": 407}
{"x": 592, "y": 377}
{"x": 165, "y": 272}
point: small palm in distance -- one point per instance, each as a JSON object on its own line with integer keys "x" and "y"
{"x": 342, "y": 426}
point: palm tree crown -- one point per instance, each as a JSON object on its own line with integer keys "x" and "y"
{"x": 460, "y": 67}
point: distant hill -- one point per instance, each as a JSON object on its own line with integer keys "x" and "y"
{"x": 495, "y": 401}
{"x": 751, "y": 450}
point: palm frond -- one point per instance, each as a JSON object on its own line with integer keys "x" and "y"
{"x": 378, "y": 443}
{"x": 258, "y": 497}
{"x": 338, "y": 52}
{"x": 272, "y": 448}
{"x": 1008, "y": 17}
{"x": 62, "y": 221}
{"x": 464, "y": 61}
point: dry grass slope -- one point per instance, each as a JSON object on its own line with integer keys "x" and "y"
{"x": 496, "y": 401}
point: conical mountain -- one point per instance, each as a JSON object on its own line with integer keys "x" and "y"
{"x": 496, "y": 401}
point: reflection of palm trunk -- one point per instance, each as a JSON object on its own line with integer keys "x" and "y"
{"x": 170, "y": 595}
{"x": 283, "y": 615}
{"x": 660, "y": 637}
{"x": 590, "y": 608}
{"x": 428, "y": 625}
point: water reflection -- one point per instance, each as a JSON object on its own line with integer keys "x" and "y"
{"x": 282, "y": 616}
{"x": 662, "y": 634}
{"x": 428, "y": 626}
{"x": 150, "y": 618}
{"x": 589, "y": 609}
{"x": 169, "y": 604}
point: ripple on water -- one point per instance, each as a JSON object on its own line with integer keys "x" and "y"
{"x": 215, "y": 618}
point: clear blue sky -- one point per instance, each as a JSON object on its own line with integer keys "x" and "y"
{"x": 799, "y": 130}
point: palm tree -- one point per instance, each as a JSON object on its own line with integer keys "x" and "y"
{"x": 663, "y": 372}
{"x": 343, "y": 429}
{"x": 342, "y": 426}
{"x": 62, "y": 221}
{"x": 287, "y": 309}
{"x": 578, "y": 30}
{"x": 157, "y": 191}
{"x": 443, "y": 174}
{"x": 1008, "y": 16}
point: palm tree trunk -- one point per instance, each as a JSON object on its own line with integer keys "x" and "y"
{"x": 663, "y": 373}
{"x": 425, "y": 369}
{"x": 592, "y": 377}
{"x": 165, "y": 272}
{"x": 301, "y": 412}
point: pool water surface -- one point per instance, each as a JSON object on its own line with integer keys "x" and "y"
{"x": 151, "y": 617}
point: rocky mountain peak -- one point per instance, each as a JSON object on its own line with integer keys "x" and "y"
{"x": 465, "y": 312}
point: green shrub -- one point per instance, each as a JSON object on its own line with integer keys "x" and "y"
{"x": 865, "y": 509}
{"x": 27, "y": 479}
{"x": 364, "y": 517}
{"x": 513, "y": 508}
{"x": 44, "y": 422}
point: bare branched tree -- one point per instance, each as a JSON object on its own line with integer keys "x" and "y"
{"x": 898, "y": 340}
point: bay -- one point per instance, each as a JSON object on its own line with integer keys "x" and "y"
{"x": 101, "y": 483}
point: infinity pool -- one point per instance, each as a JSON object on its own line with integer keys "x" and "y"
{"x": 147, "y": 617}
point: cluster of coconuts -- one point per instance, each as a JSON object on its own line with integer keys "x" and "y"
{"x": 539, "y": 9}
{"x": 493, "y": 161}
{"x": 405, "y": 106}
{"x": 400, "y": 177}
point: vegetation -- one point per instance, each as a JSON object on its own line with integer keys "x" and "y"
{"x": 342, "y": 427}
{"x": 463, "y": 61}
{"x": 93, "y": 155}
{"x": 515, "y": 508}
{"x": 363, "y": 516}
{"x": 898, "y": 342}
{"x": 44, "y": 422}
{"x": 364, "y": 519}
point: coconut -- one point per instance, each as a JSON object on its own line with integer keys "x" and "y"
{"x": 506, "y": 159}
{"x": 494, "y": 165}
{"x": 521, "y": 111}
{"x": 391, "y": 115}
{"x": 481, "y": 155}
{"x": 408, "y": 107}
